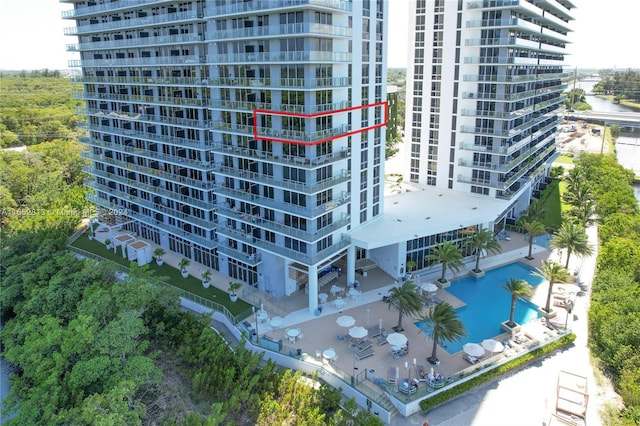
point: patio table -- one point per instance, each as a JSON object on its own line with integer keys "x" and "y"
{"x": 292, "y": 333}
{"x": 322, "y": 297}
{"x": 339, "y": 302}
{"x": 329, "y": 354}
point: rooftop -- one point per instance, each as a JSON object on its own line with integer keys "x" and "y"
{"x": 418, "y": 213}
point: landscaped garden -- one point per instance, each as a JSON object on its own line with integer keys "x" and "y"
{"x": 169, "y": 275}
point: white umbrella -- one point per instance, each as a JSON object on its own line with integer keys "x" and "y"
{"x": 492, "y": 345}
{"x": 358, "y": 332}
{"x": 345, "y": 321}
{"x": 473, "y": 349}
{"x": 429, "y": 287}
{"x": 397, "y": 339}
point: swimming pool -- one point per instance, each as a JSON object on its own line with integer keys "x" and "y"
{"x": 488, "y": 305}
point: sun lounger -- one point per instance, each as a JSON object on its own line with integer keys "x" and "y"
{"x": 472, "y": 359}
{"x": 382, "y": 339}
{"x": 364, "y": 353}
{"x": 562, "y": 303}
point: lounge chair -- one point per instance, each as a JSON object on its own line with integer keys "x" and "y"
{"x": 364, "y": 354}
{"x": 472, "y": 359}
{"x": 562, "y": 303}
{"x": 421, "y": 373}
{"x": 364, "y": 345}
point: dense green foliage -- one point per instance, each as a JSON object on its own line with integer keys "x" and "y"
{"x": 36, "y": 108}
{"x": 625, "y": 84}
{"x": 576, "y": 100}
{"x": 42, "y": 185}
{"x": 91, "y": 349}
{"x": 614, "y": 314}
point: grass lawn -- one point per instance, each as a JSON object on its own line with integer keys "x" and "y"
{"x": 564, "y": 159}
{"x": 169, "y": 275}
{"x": 552, "y": 203}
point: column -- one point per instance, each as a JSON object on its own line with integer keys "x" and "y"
{"x": 351, "y": 264}
{"x": 313, "y": 288}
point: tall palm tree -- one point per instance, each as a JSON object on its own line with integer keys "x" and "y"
{"x": 536, "y": 210}
{"x": 482, "y": 240}
{"x": 554, "y": 273}
{"x": 448, "y": 254}
{"x": 406, "y": 299}
{"x": 584, "y": 213}
{"x": 442, "y": 324}
{"x": 517, "y": 288}
{"x": 574, "y": 239}
{"x": 534, "y": 228}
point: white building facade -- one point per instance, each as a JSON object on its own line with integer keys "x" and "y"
{"x": 246, "y": 135}
{"x": 485, "y": 82}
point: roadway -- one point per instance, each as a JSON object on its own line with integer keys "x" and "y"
{"x": 608, "y": 118}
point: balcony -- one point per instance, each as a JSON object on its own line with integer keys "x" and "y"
{"x": 305, "y": 188}
{"x": 148, "y": 21}
{"x": 148, "y": 171}
{"x": 154, "y": 100}
{"x": 187, "y": 218}
{"x": 205, "y": 166}
{"x": 264, "y": 5}
{"x": 284, "y": 83}
{"x": 110, "y": 7}
{"x": 289, "y": 160}
{"x": 310, "y": 137}
{"x": 280, "y": 57}
{"x": 141, "y": 62}
{"x": 151, "y": 81}
{"x": 280, "y": 31}
{"x": 148, "y": 136}
{"x": 151, "y": 189}
{"x": 260, "y": 223}
{"x": 516, "y": 79}
{"x": 278, "y": 205}
{"x": 248, "y": 259}
{"x": 178, "y": 39}
{"x": 297, "y": 109}
{"x": 144, "y": 118}
{"x": 204, "y": 242}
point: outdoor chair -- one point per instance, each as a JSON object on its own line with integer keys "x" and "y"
{"x": 382, "y": 340}
{"x": 364, "y": 353}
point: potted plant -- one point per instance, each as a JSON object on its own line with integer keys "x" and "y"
{"x": 206, "y": 278}
{"x": 107, "y": 243}
{"x": 516, "y": 288}
{"x": 158, "y": 253}
{"x": 233, "y": 287}
{"x": 183, "y": 267}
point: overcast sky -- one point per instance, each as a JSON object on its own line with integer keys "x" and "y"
{"x": 32, "y": 34}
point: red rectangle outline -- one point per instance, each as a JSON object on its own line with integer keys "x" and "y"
{"x": 318, "y": 114}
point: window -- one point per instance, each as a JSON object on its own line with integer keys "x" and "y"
{"x": 295, "y": 198}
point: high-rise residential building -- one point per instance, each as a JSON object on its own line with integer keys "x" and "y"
{"x": 484, "y": 95}
{"x": 247, "y": 135}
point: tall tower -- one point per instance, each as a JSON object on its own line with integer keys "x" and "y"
{"x": 484, "y": 94}
{"x": 246, "y": 135}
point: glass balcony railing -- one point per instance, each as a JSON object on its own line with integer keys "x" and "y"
{"x": 148, "y": 171}
{"x": 177, "y": 39}
{"x": 142, "y": 62}
{"x": 304, "y": 28}
{"x": 212, "y": 9}
{"x": 283, "y": 57}
{"x": 147, "y": 21}
{"x": 151, "y": 189}
{"x": 107, "y": 7}
{"x": 204, "y": 242}
{"x": 292, "y": 160}
{"x": 145, "y": 118}
{"x": 298, "y": 83}
{"x": 153, "y": 81}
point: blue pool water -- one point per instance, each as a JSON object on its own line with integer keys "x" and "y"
{"x": 487, "y": 304}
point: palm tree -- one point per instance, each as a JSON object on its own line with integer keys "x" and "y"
{"x": 584, "y": 213}
{"x": 517, "y": 288}
{"x": 533, "y": 228}
{"x": 442, "y": 324}
{"x": 482, "y": 240}
{"x": 406, "y": 299}
{"x": 448, "y": 254}
{"x": 536, "y": 210}
{"x": 574, "y": 239}
{"x": 554, "y": 273}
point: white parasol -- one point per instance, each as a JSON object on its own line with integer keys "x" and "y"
{"x": 397, "y": 339}
{"x": 492, "y": 345}
{"x": 358, "y": 332}
{"x": 473, "y": 349}
{"x": 345, "y": 321}
{"x": 429, "y": 287}
{"x": 275, "y": 322}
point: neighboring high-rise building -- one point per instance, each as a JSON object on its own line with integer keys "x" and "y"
{"x": 485, "y": 83}
{"x": 247, "y": 135}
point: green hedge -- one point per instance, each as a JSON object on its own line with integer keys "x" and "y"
{"x": 536, "y": 354}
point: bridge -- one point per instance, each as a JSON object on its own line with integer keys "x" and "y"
{"x": 622, "y": 119}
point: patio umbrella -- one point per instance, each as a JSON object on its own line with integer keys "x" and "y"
{"x": 429, "y": 287}
{"x": 358, "y": 332}
{"x": 397, "y": 339}
{"x": 473, "y": 349}
{"x": 492, "y": 345}
{"x": 345, "y": 321}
